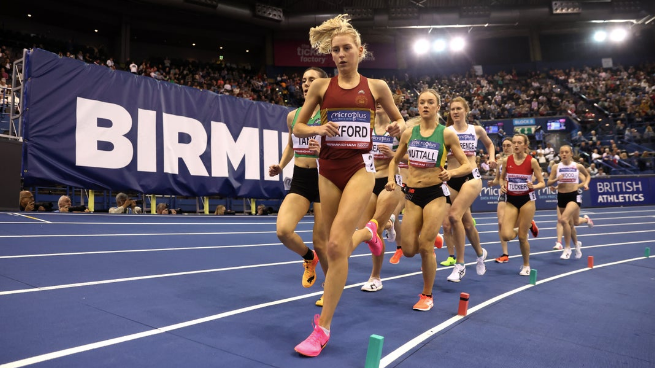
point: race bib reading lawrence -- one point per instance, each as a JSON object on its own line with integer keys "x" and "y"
{"x": 423, "y": 153}
{"x": 354, "y": 129}
{"x": 381, "y": 140}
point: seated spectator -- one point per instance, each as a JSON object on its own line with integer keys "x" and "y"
{"x": 220, "y": 210}
{"x": 26, "y": 202}
{"x": 125, "y": 205}
{"x": 65, "y": 205}
{"x": 549, "y": 152}
{"x": 648, "y": 134}
{"x": 595, "y": 155}
{"x": 593, "y": 171}
{"x": 261, "y": 210}
{"x": 593, "y": 138}
{"x": 601, "y": 172}
{"x": 162, "y": 209}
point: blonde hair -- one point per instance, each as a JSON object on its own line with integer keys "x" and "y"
{"x": 461, "y": 100}
{"x": 321, "y": 37}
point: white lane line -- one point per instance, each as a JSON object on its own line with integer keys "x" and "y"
{"x": 269, "y": 244}
{"x": 150, "y": 223}
{"x": 212, "y": 221}
{"x": 255, "y": 232}
{"x": 143, "y": 234}
{"x": 386, "y": 360}
{"x": 408, "y": 346}
{"x": 137, "y": 250}
{"x": 553, "y": 228}
{"x": 29, "y": 217}
{"x": 148, "y": 277}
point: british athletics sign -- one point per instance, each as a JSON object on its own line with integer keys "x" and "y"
{"x": 91, "y": 127}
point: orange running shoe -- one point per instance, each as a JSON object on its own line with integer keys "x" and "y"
{"x": 502, "y": 259}
{"x": 309, "y": 276}
{"x": 396, "y": 256}
{"x": 534, "y": 229}
{"x": 425, "y": 303}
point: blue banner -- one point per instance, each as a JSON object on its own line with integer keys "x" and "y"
{"x": 488, "y": 199}
{"x": 612, "y": 192}
{"x": 524, "y": 121}
{"x": 91, "y": 127}
{"x": 603, "y": 192}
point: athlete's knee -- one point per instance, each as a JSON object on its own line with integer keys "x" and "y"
{"x": 507, "y": 234}
{"x": 447, "y": 226}
{"x": 409, "y": 249}
{"x": 335, "y": 250}
{"x": 563, "y": 220}
{"x": 523, "y": 238}
{"x": 284, "y": 233}
{"x": 426, "y": 250}
{"x": 453, "y": 218}
{"x": 468, "y": 226}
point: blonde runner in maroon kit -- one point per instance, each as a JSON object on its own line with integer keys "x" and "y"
{"x": 346, "y": 142}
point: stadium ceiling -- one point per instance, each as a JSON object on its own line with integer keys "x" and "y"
{"x": 424, "y": 14}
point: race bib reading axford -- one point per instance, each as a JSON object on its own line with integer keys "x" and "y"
{"x": 354, "y": 129}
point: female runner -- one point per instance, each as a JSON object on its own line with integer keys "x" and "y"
{"x": 465, "y": 188}
{"x": 303, "y": 191}
{"x": 425, "y": 207}
{"x": 516, "y": 182}
{"x": 346, "y": 168}
{"x": 569, "y": 196}
{"x": 382, "y": 202}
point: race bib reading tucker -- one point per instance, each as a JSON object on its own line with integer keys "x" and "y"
{"x": 354, "y": 129}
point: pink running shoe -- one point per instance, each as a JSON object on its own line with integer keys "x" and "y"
{"x": 590, "y": 223}
{"x": 314, "y": 344}
{"x": 375, "y": 244}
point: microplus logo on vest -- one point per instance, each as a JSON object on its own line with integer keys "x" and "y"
{"x": 223, "y": 147}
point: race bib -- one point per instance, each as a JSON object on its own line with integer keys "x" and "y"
{"x": 399, "y": 180}
{"x": 354, "y": 129}
{"x": 287, "y": 183}
{"x": 444, "y": 188}
{"x": 476, "y": 173}
{"x": 381, "y": 140}
{"x": 569, "y": 175}
{"x": 533, "y": 197}
{"x": 301, "y": 145}
{"x": 517, "y": 184}
{"x": 423, "y": 153}
{"x": 368, "y": 162}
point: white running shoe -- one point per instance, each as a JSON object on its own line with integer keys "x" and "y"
{"x": 525, "y": 271}
{"x": 392, "y": 230}
{"x": 459, "y": 270}
{"x": 566, "y": 254}
{"x": 558, "y": 246}
{"x": 578, "y": 250}
{"x": 589, "y": 222}
{"x": 372, "y": 285}
{"x": 480, "y": 268}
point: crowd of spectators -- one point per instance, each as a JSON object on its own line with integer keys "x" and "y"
{"x": 625, "y": 96}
